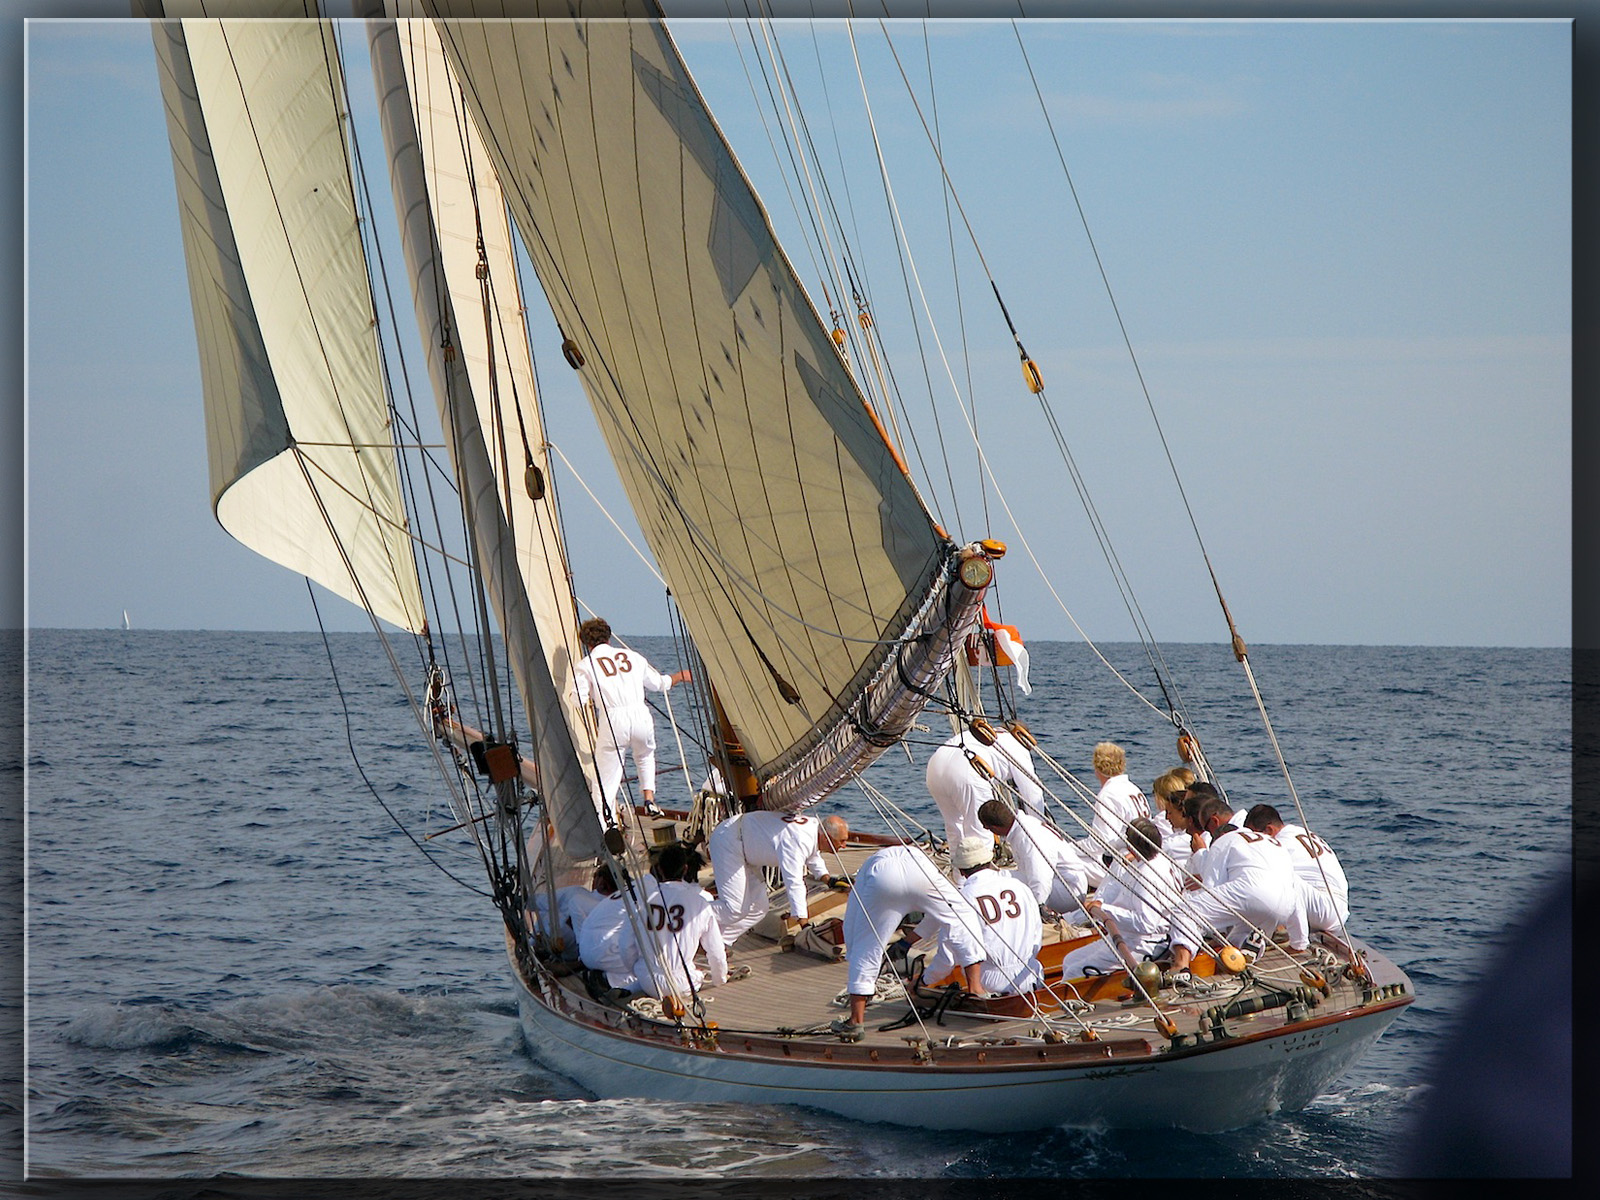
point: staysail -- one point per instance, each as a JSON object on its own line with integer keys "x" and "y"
{"x": 811, "y": 577}
{"x": 303, "y": 466}
{"x": 459, "y": 251}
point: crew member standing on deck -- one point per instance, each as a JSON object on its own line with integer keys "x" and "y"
{"x": 961, "y": 775}
{"x": 616, "y": 680}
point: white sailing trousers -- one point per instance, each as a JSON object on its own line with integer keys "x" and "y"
{"x": 738, "y": 906}
{"x": 889, "y": 885}
{"x": 631, "y": 729}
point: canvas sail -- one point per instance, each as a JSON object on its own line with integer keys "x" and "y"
{"x": 303, "y": 467}
{"x": 459, "y": 253}
{"x": 792, "y": 539}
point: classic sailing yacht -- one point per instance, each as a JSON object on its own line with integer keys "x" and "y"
{"x": 823, "y": 607}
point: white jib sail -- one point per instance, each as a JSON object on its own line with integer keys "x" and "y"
{"x": 303, "y": 466}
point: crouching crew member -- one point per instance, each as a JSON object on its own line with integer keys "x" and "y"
{"x": 606, "y": 940}
{"x": 744, "y": 843}
{"x": 895, "y": 881}
{"x": 1324, "y": 890}
{"x": 1248, "y": 885}
{"x": 1052, "y": 867}
{"x": 679, "y": 924}
{"x": 1012, "y": 931}
{"x": 1140, "y": 895}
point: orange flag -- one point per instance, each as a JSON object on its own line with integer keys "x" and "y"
{"x": 1008, "y": 650}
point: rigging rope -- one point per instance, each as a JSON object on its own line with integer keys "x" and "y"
{"x": 349, "y": 731}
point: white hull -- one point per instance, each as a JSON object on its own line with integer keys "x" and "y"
{"x": 1210, "y": 1088}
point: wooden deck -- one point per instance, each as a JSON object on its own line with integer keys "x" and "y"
{"x": 793, "y": 992}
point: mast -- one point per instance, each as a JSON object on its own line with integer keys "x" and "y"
{"x": 458, "y": 250}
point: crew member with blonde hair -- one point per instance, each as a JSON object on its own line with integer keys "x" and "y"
{"x": 1176, "y": 832}
{"x": 1118, "y": 802}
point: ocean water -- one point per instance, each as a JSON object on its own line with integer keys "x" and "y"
{"x": 237, "y": 962}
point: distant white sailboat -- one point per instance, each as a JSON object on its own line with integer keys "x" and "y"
{"x": 125, "y": 625}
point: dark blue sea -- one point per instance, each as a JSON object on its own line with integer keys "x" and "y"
{"x": 237, "y": 962}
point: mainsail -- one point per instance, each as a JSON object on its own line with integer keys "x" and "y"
{"x": 303, "y": 466}
{"x": 803, "y": 561}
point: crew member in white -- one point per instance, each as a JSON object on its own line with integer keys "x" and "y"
{"x": 745, "y": 842}
{"x": 1012, "y": 931}
{"x": 1140, "y": 894}
{"x": 1247, "y": 884}
{"x": 1176, "y": 833}
{"x": 679, "y": 924}
{"x": 893, "y": 882}
{"x": 1190, "y": 802}
{"x": 1048, "y": 863}
{"x": 616, "y": 680}
{"x": 1118, "y": 802}
{"x": 574, "y": 903}
{"x": 606, "y": 940}
{"x": 1323, "y": 887}
{"x": 959, "y": 785}
{"x": 1013, "y": 763}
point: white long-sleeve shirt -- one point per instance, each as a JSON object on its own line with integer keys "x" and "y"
{"x": 680, "y": 924}
{"x": 606, "y": 940}
{"x": 772, "y": 839}
{"x": 617, "y": 678}
{"x": 1046, "y": 860}
{"x": 1119, "y": 802}
{"x": 1316, "y": 864}
{"x": 1012, "y": 932}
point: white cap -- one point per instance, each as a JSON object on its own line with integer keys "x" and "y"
{"x": 973, "y": 852}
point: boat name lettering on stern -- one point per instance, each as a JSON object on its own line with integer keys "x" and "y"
{"x": 1303, "y": 1041}
{"x": 1115, "y": 1072}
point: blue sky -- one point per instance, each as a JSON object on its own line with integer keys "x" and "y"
{"x": 1341, "y": 251}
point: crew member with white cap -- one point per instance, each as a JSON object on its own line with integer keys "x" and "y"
{"x": 1012, "y": 932}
